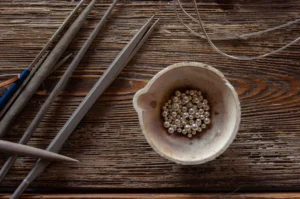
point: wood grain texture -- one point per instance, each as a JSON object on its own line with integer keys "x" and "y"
{"x": 163, "y": 196}
{"x": 112, "y": 151}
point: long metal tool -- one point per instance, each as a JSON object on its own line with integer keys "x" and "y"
{"x": 14, "y": 90}
{"x": 59, "y": 86}
{"x": 43, "y": 72}
{"x": 18, "y": 91}
{"x": 106, "y": 79}
{"x": 10, "y": 161}
{"x": 60, "y": 63}
{"x": 20, "y": 149}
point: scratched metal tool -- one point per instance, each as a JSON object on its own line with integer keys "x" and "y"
{"x": 59, "y": 86}
{"x": 8, "y": 164}
{"x": 44, "y": 71}
{"x": 15, "y": 89}
{"x": 106, "y": 79}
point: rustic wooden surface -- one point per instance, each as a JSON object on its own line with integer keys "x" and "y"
{"x": 163, "y": 196}
{"x": 113, "y": 152}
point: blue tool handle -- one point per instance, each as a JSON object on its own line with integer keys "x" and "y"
{"x": 13, "y": 88}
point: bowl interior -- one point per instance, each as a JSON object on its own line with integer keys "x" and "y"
{"x": 224, "y": 113}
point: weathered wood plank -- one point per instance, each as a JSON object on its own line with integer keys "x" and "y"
{"x": 164, "y": 196}
{"x": 109, "y": 143}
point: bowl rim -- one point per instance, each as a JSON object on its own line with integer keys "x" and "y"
{"x": 226, "y": 82}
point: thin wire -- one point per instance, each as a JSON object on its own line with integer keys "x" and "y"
{"x": 269, "y": 29}
{"x": 244, "y": 58}
{"x": 235, "y": 36}
{"x": 9, "y": 81}
{"x": 197, "y": 34}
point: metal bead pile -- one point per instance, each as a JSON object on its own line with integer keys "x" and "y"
{"x": 186, "y": 113}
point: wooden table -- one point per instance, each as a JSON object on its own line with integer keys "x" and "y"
{"x": 114, "y": 155}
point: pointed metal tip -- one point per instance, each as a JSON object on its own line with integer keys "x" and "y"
{"x": 63, "y": 158}
{"x": 70, "y": 159}
{"x": 157, "y": 20}
{"x": 147, "y": 24}
{"x": 60, "y": 157}
{"x": 67, "y": 57}
{"x": 151, "y": 18}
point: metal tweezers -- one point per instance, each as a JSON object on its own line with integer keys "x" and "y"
{"x": 106, "y": 79}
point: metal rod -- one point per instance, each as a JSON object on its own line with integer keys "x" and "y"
{"x": 60, "y": 63}
{"x": 10, "y": 161}
{"x": 20, "y": 149}
{"x": 59, "y": 86}
{"x": 13, "y": 93}
{"x": 43, "y": 72}
{"x": 55, "y": 35}
{"x": 106, "y": 79}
